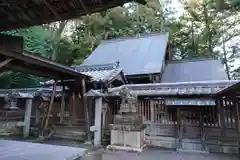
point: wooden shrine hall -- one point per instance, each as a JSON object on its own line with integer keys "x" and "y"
{"x": 26, "y": 13}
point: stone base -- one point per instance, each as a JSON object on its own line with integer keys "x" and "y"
{"x": 125, "y": 148}
{"x": 10, "y": 128}
{"x": 131, "y": 139}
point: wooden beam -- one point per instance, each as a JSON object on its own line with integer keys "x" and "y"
{"x": 52, "y": 10}
{"x": 44, "y": 63}
{"x": 5, "y": 62}
{"x": 84, "y": 6}
{"x": 101, "y": 3}
{"x": 32, "y": 71}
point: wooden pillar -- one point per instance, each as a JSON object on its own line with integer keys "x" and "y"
{"x": 27, "y": 117}
{"x": 203, "y": 138}
{"x": 73, "y": 109}
{"x": 37, "y": 118}
{"x": 86, "y": 112}
{"x": 50, "y": 108}
{"x": 237, "y": 122}
{"x": 179, "y": 129}
{"x": 98, "y": 121}
{"x": 152, "y": 115}
{"x": 222, "y": 118}
{"x": 62, "y": 111}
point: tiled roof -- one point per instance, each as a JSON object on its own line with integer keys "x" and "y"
{"x": 171, "y": 89}
{"x": 137, "y": 55}
{"x": 45, "y": 92}
{"x": 193, "y": 70}
{"x": 104, "y": 72}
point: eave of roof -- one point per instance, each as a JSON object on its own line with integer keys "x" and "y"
{"x": 171, "y": 89}
{"x": 232, "y": 90}
{"x": 25, "y": 13}
{"x": 104, "y": 72}
{"x": 39, "y": 66}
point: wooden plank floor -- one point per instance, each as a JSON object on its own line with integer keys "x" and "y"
{"x": 14, "y": 150}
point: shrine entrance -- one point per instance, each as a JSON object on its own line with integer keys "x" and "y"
{"x": 189, "y": 137}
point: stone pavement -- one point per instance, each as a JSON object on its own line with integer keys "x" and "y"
{"x": 156, "y": 154}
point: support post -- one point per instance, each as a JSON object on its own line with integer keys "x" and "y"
{"x": 27, "y": 117}
{"x": 62, "y": 112}
{"x": 237, "y": 123}
{"x": 50, "y": 108}
{"x": 37, "y": 120}
{"x": 86, "y": 112}
{"x": 73, "y": 111}
{"x": 179, "y": 128}
{"x": 152, "y": 114}
{"x": 222, "y": 118}
{"x": 202, "y": 129}
{"x": 98, "y": 121}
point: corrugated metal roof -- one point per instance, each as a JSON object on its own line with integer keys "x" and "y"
{"x": 103, "y": 72}
{"x": 170, "y": 89}
{"x": 137, "y": 55}
{"x": 194, "y": 70}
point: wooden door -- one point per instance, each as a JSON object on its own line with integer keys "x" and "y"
{"x": 189, "y": 129}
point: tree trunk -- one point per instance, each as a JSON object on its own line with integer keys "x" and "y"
{"x": 225, "y": 55}
{"x": 57, "y": 37}
{"x": 209, "y": 32}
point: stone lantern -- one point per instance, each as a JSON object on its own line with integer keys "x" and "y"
{"x": 127, "y": 130}
{"x": 11, "y": 100}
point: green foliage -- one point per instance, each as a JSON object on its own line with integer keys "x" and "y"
{"x": 206, "y": 29}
